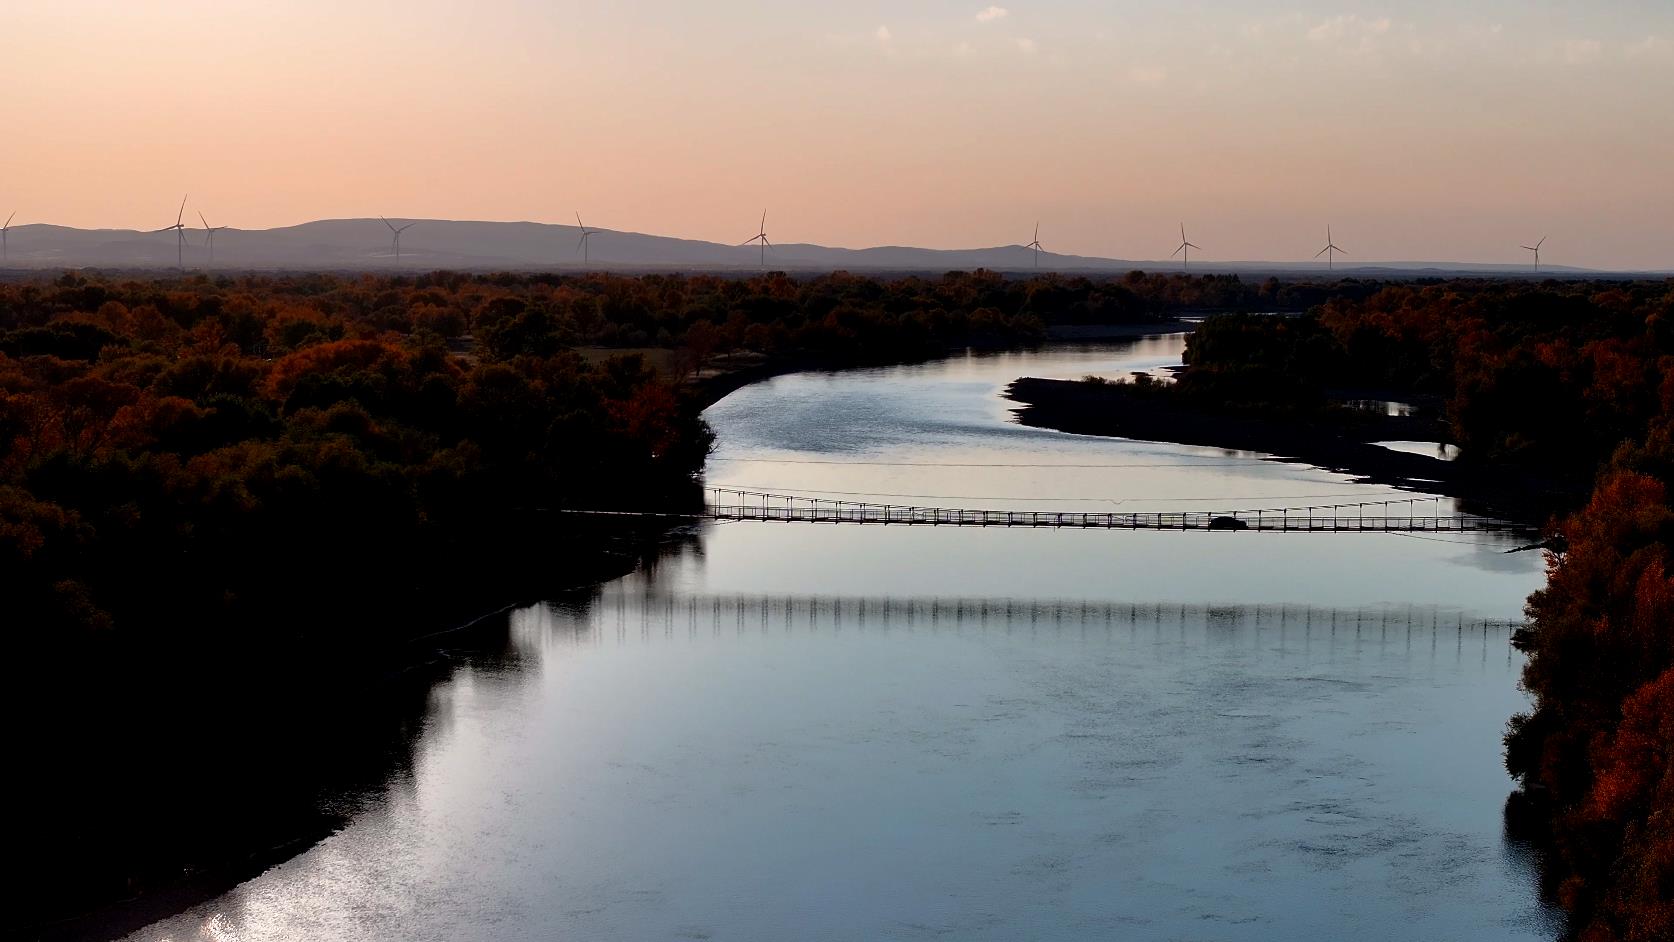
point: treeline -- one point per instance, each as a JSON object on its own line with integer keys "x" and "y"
{"x": 158, "y": 437}
{"x": 1550, "y": 375}
{"x": 836, "y": 317}
{"x": 168, "y": 435}
{"x": 1576, "y": 379}
{"x": 231, "y": 451}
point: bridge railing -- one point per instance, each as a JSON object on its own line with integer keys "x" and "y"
{"x": 1393, "y": 515}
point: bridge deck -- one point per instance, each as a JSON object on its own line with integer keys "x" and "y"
{"x": 1381, "y": 517}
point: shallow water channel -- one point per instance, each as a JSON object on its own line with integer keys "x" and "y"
{"x": 794, "y": 731}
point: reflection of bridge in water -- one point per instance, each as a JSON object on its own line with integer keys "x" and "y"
{"x": 666, "y": 614}
{"x": 1388, "y": 516}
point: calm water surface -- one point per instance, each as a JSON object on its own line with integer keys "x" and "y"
{"x": 789, "y": 731}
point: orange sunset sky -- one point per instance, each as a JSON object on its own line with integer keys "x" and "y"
{"x": 1418, "y": 130}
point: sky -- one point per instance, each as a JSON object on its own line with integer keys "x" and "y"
{"x": 1418, "y": 130}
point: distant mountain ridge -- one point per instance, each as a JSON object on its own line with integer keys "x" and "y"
{"x": 364, "y": 244}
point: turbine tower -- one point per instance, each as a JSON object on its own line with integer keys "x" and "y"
{"x": 1036, "y": 245}
{"x": 179, "y": 228}
{"x": 209, "y": 233}
{"x": 5, "y": 252}
{"x": 1536, "y": 250}
{"x": 760, "y": 236}
{"x": 1185, "y": 250}
{"x": 397, "y": 236}
{"x": 586, "y": 234}
{"x": 1330, "y": 251}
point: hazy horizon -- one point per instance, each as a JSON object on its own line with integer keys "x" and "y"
{"x": 1421, "y": 131}
{"x": 526, "y": 245}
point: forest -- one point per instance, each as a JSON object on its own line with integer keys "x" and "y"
{"x": 1575, "y": 380}
{"x": 163, "y": 436}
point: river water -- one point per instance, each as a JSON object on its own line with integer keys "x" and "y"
{"x": 787, "y": 731}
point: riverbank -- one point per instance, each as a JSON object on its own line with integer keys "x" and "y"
{"x": 173, "y": 836}
{"x": 1094, "y": 332}
{"x": 731, "y": 373}
{"x": 1342, "y": 441}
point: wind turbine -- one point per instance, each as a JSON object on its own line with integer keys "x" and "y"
{"x": 1036, "y": 245}
{"x": 209, "y": 232}
{"x": 1330, "y": 250}
{"x": 586, "y": 234}
{"x": 1185, "y": 249}
{"x": 760, "y": 236}
{"x": 397, "y": 238}
{"x": 179, "y": 228}
{"x": 1536, "y": 250}
{"x": 4, "y": 251}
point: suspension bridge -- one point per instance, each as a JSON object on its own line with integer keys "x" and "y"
{"x": 1409, "y": 515}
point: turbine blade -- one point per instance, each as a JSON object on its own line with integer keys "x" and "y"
{"x": 9, "y": 219}
{"x": 578, "y": 224}
{"x": 205, "y": 221}
{"x": 182, "y": 214}
{"x": 1537, "y": 244}
{"x": 764, "y": 222}
{"x": 581, "y": 242}
{"x": 1195, "y": 246}
{"x": 388, "y": 223}
{"x": 1322, "y": 251}
{"x": 1177, "y": 251}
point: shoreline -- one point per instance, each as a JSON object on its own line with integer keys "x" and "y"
{"x": 379, "y": 683}
{"x": 708, "y": 390}
{"x": 1115, "y": 410}
{"x": 1090, "y": 332}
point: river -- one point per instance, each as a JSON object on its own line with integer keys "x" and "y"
{"x": 788, "y": 731}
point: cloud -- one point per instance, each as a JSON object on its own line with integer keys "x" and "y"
{"x": 1350, "y": 27}
{"x": 882, "y": 34}
{"x": 1581, "y": 51}
{"x": 992, "y": 13}
{"x": 1147, "y": 75}
{"x": 1651, "y": 47}
{"x": 1026, "y": 46}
